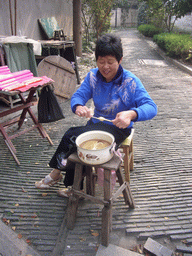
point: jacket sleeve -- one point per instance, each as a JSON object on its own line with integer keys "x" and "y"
{"x": 143, "y": 104}
{"x": 82, "y": 95}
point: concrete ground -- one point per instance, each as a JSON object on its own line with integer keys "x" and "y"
{"x": 161, "y": 181}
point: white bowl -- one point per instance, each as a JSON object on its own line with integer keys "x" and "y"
{"x": 99, "y": 156}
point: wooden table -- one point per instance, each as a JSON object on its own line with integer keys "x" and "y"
{"x": 25, "y": 106}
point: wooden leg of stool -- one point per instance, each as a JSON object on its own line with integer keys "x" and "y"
{"x": 126, "y": 163}
{"x": 107, "y": 210}
{"x": 90, "y": 185}
{"x": 127, "y": 191}
{"x": 74, "y": 199}
{"x": 131, "y": 200}
{"x": 106, "y": 223}
{"x": 131, "y": 157}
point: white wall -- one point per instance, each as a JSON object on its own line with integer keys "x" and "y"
{"x": 116, "y": 18}
{"x": 185, "y": 23}
{"x": 121, "y": 18}
{"x": 28, "y": 11}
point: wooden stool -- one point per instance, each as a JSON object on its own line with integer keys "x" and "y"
{"x": 113, "y": 164}
{"x": 127, "y": 146}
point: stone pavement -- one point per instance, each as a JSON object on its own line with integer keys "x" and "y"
{"x": 161, "y": 182}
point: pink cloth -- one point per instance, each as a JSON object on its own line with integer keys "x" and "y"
{"x": 45, "y": 80}
{"x": 23, "y": 75}
{"x": 20, "y": 81}
{"x": 4, "y": 70}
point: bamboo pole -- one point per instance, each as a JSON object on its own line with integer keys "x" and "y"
{"x": 15, "y": 17}
{"x": 11, "y": 21}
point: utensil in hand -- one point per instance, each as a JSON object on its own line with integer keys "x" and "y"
{"x": 102, "y": 119}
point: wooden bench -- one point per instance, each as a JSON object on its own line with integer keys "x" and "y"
{"x": 107, "y": 201}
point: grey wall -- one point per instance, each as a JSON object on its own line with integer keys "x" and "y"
{"x": 28, "y": 11}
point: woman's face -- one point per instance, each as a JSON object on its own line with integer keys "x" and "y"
{"x": 108, "y": 66}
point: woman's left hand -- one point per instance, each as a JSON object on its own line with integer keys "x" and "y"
{"x": 124, "y": 118}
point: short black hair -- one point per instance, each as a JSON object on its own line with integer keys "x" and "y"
{"x": 109, "y": 44}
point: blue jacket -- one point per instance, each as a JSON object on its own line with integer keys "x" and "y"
{"x": 124, "y": 92}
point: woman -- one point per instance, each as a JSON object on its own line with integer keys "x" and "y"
{"x": 117, "y": 94}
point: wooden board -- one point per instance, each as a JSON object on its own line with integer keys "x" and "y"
{"x": 49, "y": 25}
{"x": 61, "y": 71}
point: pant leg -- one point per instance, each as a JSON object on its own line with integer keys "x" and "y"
{"x": 66, "y": 147}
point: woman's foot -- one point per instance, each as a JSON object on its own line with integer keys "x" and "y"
{"x": 67, "y": 192}
{"x": 50, "y": 180}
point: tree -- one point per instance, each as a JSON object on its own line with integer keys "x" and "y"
{"x": 175, "y": 9}
{"x": 87, "y": 16}
{"x": 77, "y": 26}
{"x": 96, "y": 14}
{"x": 169, "y": 10}
{"x": 101, "y": 17}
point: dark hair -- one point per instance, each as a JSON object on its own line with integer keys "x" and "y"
{"x": 109, "y": 44}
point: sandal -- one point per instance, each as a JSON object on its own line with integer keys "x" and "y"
{"x": 47, "y": 182}
{"x": 67, "y": 192}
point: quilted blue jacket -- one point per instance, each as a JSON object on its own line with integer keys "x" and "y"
{"x": 124, "y": 92}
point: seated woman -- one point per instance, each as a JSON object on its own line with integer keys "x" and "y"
{"x": 117, "y": 95}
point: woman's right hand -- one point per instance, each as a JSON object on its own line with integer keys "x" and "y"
{"x": 83, "y": 111}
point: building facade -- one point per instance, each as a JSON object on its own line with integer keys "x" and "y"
{"x": 20, "y": 17}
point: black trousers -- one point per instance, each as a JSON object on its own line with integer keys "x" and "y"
{"x": 67, "y": 145}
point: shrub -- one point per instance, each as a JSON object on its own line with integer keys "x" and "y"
{"x": 175, "y": 45}
{"x": 142, "y": 17}
{"x": 149, "y": 30}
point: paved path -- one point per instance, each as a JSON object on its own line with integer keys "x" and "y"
{"x": 161, "y": 181}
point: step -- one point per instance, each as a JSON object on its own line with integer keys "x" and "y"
{"x": 10, "y": 244}
{"x": 114, "y": 250}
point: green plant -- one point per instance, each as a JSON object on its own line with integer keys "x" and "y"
{"x": 149, "y": 30}
{"x": 175, "y": 45}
